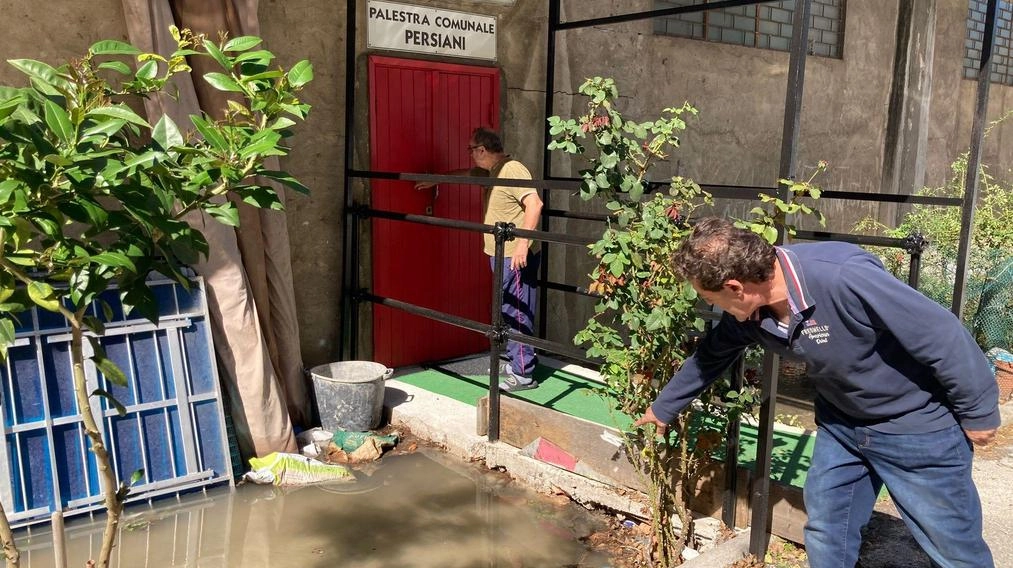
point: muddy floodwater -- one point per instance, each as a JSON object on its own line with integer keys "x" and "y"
{"x": 416, "y": 510}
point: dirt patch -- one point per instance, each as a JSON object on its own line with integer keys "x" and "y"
{"x": 780, "y": 554}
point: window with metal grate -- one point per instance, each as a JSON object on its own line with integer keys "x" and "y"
{"x": 767, "y": 26}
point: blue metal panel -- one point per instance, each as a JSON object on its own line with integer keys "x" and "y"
{"x": 33, "y": 449}
{"x": 147, "y": 366}
{"x": 26, "y": 386}
{"x": 178, "y": 454}
{"x": 199, "y": 365}
{"x": 165, "y": 361}
{"x": 207, "y": 421}
{"x": 117, "y": 349}
{"x": 126, "y": 446}
{"x": 71, "y": 464}
{"x": 177, "y": 438}
{"x": 189, "y": 301}
{"x": 158, "y": 447}
{"x": 165, "y": 297}
{"x": 59, "y": 380}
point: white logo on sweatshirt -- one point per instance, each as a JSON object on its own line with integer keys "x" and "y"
{"x": 816, "y": 332}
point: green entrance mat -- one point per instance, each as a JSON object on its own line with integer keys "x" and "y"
{"x": 581, "y": 397}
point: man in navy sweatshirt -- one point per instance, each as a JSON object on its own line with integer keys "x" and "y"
{"x": 902, "y": 390}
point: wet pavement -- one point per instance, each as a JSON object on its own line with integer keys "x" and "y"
{"x": 423, "y": 509}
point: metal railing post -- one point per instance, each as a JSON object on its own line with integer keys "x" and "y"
{"x": 502, "y": 233}
{"x": 973, "y": 173}
{"x": 915, "y": 244}
{"x": 759, "y": 536}
{"x": 732, "y": 452}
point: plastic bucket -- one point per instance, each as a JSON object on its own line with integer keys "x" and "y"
{"x": 350, "y": 394}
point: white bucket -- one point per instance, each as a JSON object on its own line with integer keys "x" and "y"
{"x": 350, "y": 394}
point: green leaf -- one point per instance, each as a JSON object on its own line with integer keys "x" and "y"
{"x": 262, "y": 197}
{"x": 264, "y": 142}
{"x": 116, "y": 259}
{"x": 261, "y": 57}
{"x": 217, "y": 54}
{"x": 117, "y": 66}
{"x": 287, "y": 179}
{"x": 112, "y": 47}
{"x": 122, "y": 112}
{"x": 242, "y": 43}
{"x": 109, "y": 369}
{"x": 636, "y": 191}
{"x": 166, "y": 134}
{"x": 120, "y": 409}
{"x": 59, "y": 122}
{"x": 43, "y": 72}
{"x": 42, "y": 295}
{"x": 147, "y": 71}
{"x": 282, "y": 123}
{"x": 105, "y": 127}
{"x": 6, "y": 336}
{"x": 225, "y": 213}
{"x": 211, "y": 133}
{"x": 9, "y": 105}
{"x": 139, "y": 298}
{"x": 94, "y": 324}
{"x": 222, "y": 82}
{"x": 300, "y": 74}
{"x": 136, "y": 476}
{"x": 770, "y": 234}
{"x": 107, "y": 310}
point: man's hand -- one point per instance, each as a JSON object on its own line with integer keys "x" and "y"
{"x": 425, "y": 184}
{"x": 650, "y": 418}
{"x": 520, "y": 258}
{"x": 980, "y": 437}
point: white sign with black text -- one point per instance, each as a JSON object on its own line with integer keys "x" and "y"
{"x": 404, "y": 27}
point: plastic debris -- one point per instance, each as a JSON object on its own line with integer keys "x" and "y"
{"x": 285, "y": 469}
{"x": 311, "y": 441}
{"x": 357, "y": 447}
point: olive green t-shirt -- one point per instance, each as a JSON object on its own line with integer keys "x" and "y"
{"x": 506, "y": 204}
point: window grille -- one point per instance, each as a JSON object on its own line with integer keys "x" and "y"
{"x": 1002, "y": 63}
{"x": 767, "y": 25}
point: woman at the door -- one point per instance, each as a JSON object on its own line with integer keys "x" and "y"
{"x": 521, "y": 206}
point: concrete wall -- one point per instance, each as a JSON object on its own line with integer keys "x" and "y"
{"x": 736, "y": 139}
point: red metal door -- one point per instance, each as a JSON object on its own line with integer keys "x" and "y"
{"x": 421, "y": 117}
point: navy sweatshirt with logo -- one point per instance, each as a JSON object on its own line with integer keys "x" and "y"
{"x": 878, "y": 353}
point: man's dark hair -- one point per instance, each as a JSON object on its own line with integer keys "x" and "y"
{"x": 488, "y": 139}
{"x": 717, "y": 251}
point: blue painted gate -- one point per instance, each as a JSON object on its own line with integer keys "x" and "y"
{"x": 173, "y": 430}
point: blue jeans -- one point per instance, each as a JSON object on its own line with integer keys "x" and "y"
{"x": 928, "y": 476}
{"x": 520, "y": 297}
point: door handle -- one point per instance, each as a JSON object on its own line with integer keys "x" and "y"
{"x": 432, "y": 202}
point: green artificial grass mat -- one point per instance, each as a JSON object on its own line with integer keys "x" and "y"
{"x": 576, "y": 396}
{"x": 558, "y": 390}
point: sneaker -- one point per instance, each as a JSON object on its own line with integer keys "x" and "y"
{"x": 513, "y": 383}
{"x": 504, "y": 369}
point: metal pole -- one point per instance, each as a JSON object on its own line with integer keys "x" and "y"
{"x": 732, "y": 453}
{"x": 915, "y": 244}
{"x": 759, "y": 536}
{"x": 350, "y": 275}
{"x": 974, "y": 161}
{"x": 550, "y": 87}
{"x": 497, "y": 336}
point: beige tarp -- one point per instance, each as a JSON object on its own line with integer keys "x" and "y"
{"x": 248, "y": 272}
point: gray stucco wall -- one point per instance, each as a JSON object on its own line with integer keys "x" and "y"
{"x": 735, "y": 140}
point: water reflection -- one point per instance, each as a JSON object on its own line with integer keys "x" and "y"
{"x": 417, "y": 510}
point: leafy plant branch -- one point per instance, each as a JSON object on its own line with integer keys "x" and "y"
{"x": 93, "y": 196}
{"x": 646, "y": 322}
